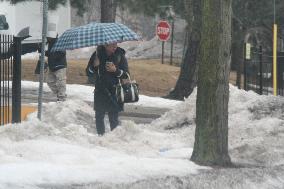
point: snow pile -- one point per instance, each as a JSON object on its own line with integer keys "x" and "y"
{"x": 63, "y": 149}
{"x": 256, "y": 126}
{"x": 151, "y": 49}
{"x": 134, "y": 50}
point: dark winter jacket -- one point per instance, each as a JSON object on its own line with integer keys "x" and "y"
{"x": 105, "y": 99}
{"x": 56, "y": 60}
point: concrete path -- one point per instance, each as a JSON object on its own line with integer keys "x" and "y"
{"x": 138, "y": 114}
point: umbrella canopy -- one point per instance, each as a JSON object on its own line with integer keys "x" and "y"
{"x": 94, "y": 34}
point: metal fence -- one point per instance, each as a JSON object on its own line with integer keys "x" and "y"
{"x": 258, "y": 72}
{"x": 10, "y": 79}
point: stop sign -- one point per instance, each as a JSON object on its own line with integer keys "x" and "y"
{"x": 163, "y": 30}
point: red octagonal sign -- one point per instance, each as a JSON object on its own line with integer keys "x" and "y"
{"x": 163, "y": 30}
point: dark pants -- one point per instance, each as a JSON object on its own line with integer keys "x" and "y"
{"x": 113, "y": 120}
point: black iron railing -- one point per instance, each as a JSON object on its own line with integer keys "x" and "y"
{"x": 10, "y": 79}
{"x": 258, "y": 72}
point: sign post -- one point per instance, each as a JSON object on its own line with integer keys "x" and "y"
{"x": 163, "y": 31}
{"x": 274, "y": 60}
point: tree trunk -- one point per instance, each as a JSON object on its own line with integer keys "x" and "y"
{"x": 188, "y": 74}
{"x": 91, "y": 15}
{"x": 114, "y": 8}
{"x": 107, "y": 11}
{"x": 211, "y": 135}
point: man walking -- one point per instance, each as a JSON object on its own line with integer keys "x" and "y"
{"x": 56, "y": 79}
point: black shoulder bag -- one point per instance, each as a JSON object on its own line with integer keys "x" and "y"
{"x": 127, "y": 92}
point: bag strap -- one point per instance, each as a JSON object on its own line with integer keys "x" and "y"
{"x": 128, "y": 77}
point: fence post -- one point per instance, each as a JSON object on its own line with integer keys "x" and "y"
{"x": 16, "y": 87}
{"x": 260, "y": 71}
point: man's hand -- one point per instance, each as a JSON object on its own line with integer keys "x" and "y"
{"x": 110, "y": 67}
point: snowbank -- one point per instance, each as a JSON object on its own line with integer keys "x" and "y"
{"x": 63, "y": 149}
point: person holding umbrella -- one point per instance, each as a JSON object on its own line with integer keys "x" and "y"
{"x": 109, "y": 64}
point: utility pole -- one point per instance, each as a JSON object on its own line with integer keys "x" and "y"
{"x": 43, "y": 42}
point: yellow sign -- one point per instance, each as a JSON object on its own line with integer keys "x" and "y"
{"x": 248, "y": 52}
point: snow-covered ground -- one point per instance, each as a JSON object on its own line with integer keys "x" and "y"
{"x": 63, "y": 150}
